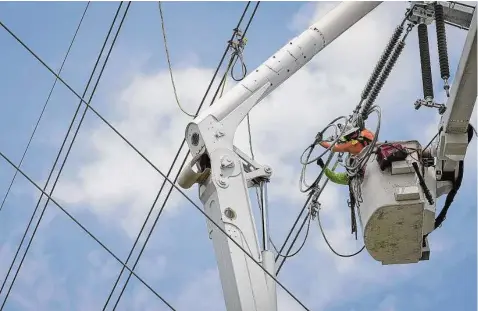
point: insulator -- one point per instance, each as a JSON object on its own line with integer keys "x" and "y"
{"x": 425, "y": 61}
{"x": 383, "y": 60}
{"x": 441, "y": 40}
{"x": 383, "y": 78}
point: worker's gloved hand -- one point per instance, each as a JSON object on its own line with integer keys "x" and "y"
{"x": 320, "y": 162}
{"x": 319, "y": 137}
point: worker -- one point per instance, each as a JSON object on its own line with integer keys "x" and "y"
{"x": 352, "y": 142}
{"x": 343, "y": 179}
{"x": 336, "y": 177}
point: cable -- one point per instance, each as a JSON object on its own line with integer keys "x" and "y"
{"x": 164, "y": 183}
{"x": 278, "y": 253}
{"x": 51, "y": 172}
{"x": 237, "y": 54}
{"x": 308, "y": 217}
{"x": 330, "y": 246}
{"x": 147, "y": 160}
{"x": 61, "y": 149}
{"x": 290, "y": 247}
{"x": 82, "y": 227}
{"x": 233, "y": 56}
{"x": 312, "y": 194}
{"x": 292, "y": 229}
{"x": 157, "y": 217}
{"x": 45, "y": 105}
{"x": 248, "y": 120}
{"x": 169, "y": 62}
{"x": 187, "y": 198}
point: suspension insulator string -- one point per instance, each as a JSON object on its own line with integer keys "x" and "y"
{"x": 383, "y": 77}
{"x": 424, "y": 49}
{"x": 442, "y": 47}
{"x": 383, "y": 60}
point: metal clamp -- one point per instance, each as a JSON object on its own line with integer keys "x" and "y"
{"x": 431, "y": 104}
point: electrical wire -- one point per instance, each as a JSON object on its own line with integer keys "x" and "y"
{"x": 330, "y": 246}
{"x": 66, "y": 156}
{"x": 293, "y": 227}
{"x": 278, "y": 253}
{"x": 233, "y": 56}
{"x": 159, "y": 214}
{"x": 284, "y": 257}
{"x": 169, "y": 63}
{"x": 249, "y": 131}
{"x": 82, "y": 227}
{"x": 308, "y": 217}
{"x": 149, "y": 162}
{"x": 317, "y": 191}
{"x": 187, "y": 198}
{"x": 164, "y": 181}
{"x": 144, "y": 244}
{"x": 45, "y": 105}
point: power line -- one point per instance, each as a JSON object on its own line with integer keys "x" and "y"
{"x": 223, "y": 80}
{"x": 82, "y": 227}
{"x": 36, "y": 208}
{"x": 182, "y": 165}
{"x": 164, "y": 183}
{"x": 44, "y": 106}
{"x": 284, "y": 258}
{"x": 149, "y": 162}
{"x": 61, "y": 149}
{"x": 169, "y": 62}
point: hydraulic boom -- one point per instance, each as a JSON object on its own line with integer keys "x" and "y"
{"x": 225, "y": 174}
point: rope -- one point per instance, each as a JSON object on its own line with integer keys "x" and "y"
{"x": 45, "y": 105}
{"x": 66, "y": 156}
{"x": 169, "y": 62}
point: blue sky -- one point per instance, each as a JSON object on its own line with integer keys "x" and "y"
{"x": 67, "y": 270}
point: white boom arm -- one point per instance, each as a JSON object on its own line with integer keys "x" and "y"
{"x": 453, "y": 140}
{"x": 224, "y": 192}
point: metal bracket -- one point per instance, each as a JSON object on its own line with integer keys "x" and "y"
{"x": 255, "y": 172}
{"x": 423, "y": 12}
{"x": 314, "y": 206}
{"x": 431, "y": 104}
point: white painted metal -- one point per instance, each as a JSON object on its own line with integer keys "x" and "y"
{"x": 290, "y": 58}
{"x": 225, "y": 193}
{"x": 394, "y": 212}
{"x": 265, "y": 217}
{"x": 452, "y": 143}
{"x": 458, "y": 14}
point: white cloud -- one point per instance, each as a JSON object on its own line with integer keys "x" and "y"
{"x": 203, "y": 292}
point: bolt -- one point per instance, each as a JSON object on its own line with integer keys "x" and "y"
{"x": 226, "y": 162}
{"x": 219, "y": 133}
{"x": 267, "y": 169}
